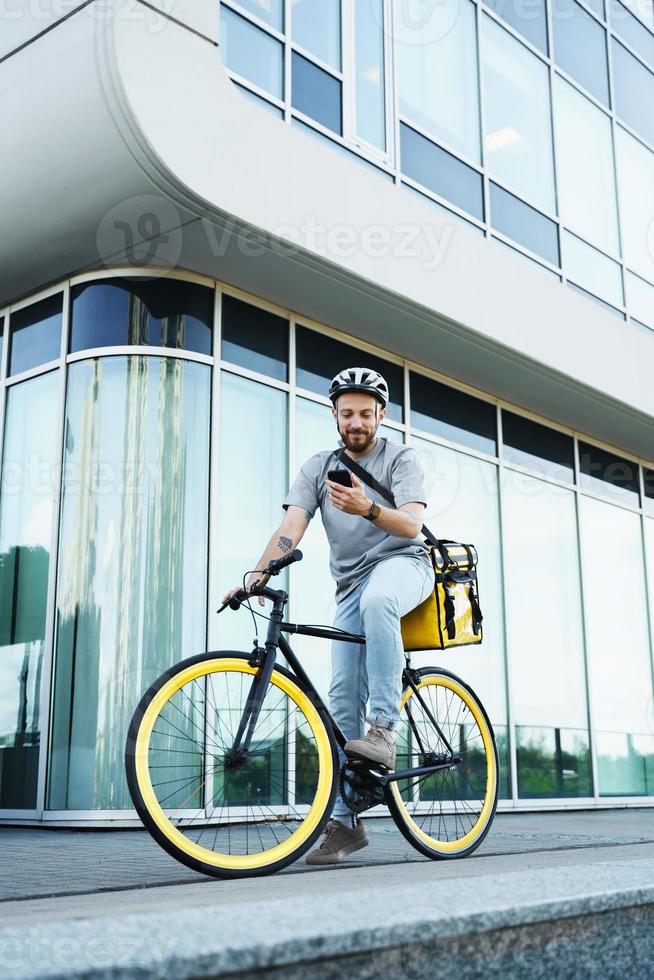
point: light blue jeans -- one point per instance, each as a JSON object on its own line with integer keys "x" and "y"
{"x": 374, "y": 670}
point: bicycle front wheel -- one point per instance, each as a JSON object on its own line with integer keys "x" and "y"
{"x": 447, "y": 813}
{"x": 221, "y": 813}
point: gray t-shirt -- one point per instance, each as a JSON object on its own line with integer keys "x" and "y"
{"x": 356, "y": 545}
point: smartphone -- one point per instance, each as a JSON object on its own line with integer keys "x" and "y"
{"x": 340, "y": 476}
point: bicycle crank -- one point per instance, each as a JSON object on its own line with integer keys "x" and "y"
{"x": 360, "y": 787}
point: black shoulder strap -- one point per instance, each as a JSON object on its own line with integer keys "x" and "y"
{"x": 368, "y": 478}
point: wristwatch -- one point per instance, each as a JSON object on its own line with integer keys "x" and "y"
{"x": 373, "y": 513}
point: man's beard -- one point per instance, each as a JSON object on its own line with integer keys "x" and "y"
{"x": 357, "y": 444}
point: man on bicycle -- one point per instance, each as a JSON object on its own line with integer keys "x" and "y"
{"x": 382, "y": 570}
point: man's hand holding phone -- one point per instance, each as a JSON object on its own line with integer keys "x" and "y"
{"x": 350, "y": 496}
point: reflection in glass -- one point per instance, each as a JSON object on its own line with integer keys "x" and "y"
{"x": 524, "y": 224}
{"x": 131, "y": 591}
{"x": 313, "y": 586}
{"x": 436, "y": 52}
{"x": 635, "y": 166}
{"x": 620, "y": 667}
{"x": 35, "y": 334}
{"x": 251, "y": 52}
{"x": 254, "y": 338}
{"x": 440, "y": 171}
{"x": 462, "y": 500}
{"x": 517, "y": 130}
{"x": 634, "y": 91}
{"x": 316, "y": 93}
{"x": 545, "y": 637}
{"x": 370, "y": 75}
{"x": 252, "y": 482}
{"x": 270, "y": 11}
{"x": 533, "y": 27}
{"x": 320, "y": 357}
{"x": 159, "y": 313}
{"x": 584, "y": 167}
{"x": 631, "y": 29}
{"x": 537, "y": 446}
{"x": 26, "y": 507}
{"x": 648, "y": 500}
{"x": 608, "y": 474}
{"x": 316, "y": 26}
{"x": 453, "y": 414}
{"x": 580, "y": 47}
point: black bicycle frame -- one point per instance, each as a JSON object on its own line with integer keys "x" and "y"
{"x": 264, "y": 659}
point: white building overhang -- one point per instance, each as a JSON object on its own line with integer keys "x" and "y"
{"x": 124, "y": 141}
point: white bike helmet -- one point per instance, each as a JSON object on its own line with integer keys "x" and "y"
{"x": 359, "y": 379}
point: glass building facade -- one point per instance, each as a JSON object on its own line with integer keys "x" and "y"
{"x": 150, "y": 430}
{"x": 531, "y": 122}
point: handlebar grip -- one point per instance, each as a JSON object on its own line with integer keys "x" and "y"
{"x": 277, "y": 564}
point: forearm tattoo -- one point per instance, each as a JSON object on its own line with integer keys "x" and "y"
{"x": 308, "y": 515}
{"x": 284, "y": 544}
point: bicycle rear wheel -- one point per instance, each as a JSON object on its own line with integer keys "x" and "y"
{"x": 447, "y": 813}
{"x": 225, "y": 816}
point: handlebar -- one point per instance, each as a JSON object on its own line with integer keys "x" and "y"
{"x": 273, "y": 567}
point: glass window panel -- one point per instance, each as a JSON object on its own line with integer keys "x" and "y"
{"x": 524, "y": 224}
{"x": 441, "y": 172}
{"x": 648, "y": 502}
{"x": 316, "y": 93}
{"x": 462, "y": 504}
{"x": 591, "y": 269}
{"x": 528, "y": 20}
{"x": 643, "y": 9}
{"x": 259, "y": 100}
{"x": 254, "y": 338}
{"x": 634, "y": 33}
{"x": 537, "y": 446}
{"x": 159, "y": 313}
{"x": 548, "y": 686}
{"x": 595, "y": 299}
{"x": 370, "y": 75}
{"x": 270, "y": 11}
{"x": 35, "y": 334}
{"x": 316, "y": 27}
{"x": 29, "y": 488}
{"x": 634, "y": 92}
{"x": 249, "y": 510}
{"x": 640, "y": 299}
{"x": 607, "y": 474}
{"x": 517, "y": 129}
{"x": 436, "y": 52}
{"x": 313, "y": 587}
{"x": 580, "y": 47}
{"x": 618, "y": 648}
{"x": 452, "y": 414}
{"x": 320, "y": 357}
{"x": 585, "y": 175}
{"x": 251, "y": 52}
{"x": 635, "y": 165}
{"x": 132, "y": 575}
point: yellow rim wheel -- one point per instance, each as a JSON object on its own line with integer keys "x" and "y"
{"x": 445, "y": 813}
{"x": 238, "y": 817}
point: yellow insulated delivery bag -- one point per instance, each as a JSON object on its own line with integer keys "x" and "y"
{"x": 450, "y": 616}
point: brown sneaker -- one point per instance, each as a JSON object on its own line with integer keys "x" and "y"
{"x": 338, "y": 842}
{"x": 377, "y": 745}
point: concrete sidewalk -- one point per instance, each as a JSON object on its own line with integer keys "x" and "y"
{"x": 560, "y": 894}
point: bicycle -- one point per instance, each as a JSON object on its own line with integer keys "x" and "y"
{"x": 233, "y": 767}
